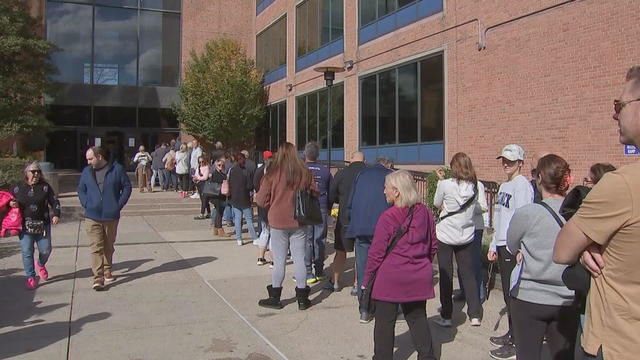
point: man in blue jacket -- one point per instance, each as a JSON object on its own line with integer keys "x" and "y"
{"x": 104, "y": 190}
{"x": 367, "y": 203}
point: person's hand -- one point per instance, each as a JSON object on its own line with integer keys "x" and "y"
{"x": 55, "y": 220}
{"x": 13, "y": 204}
{"x": 519, "y": 257}
{"x": 593, "y": 260}
{"x": 492, "y": 256}
{"x": 440, "y": 173}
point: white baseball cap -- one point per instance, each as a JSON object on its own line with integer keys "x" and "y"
{"x": 512, "y": 152}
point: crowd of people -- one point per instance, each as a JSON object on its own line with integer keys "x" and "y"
{"x": 566, "y": 255}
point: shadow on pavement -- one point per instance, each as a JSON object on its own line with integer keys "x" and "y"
{"x": 176, "y": 265}
{"x": 32, "y": 338}
{"x": 125, "y": 267}
{"x": 9, "y": 247}
{"x": 18, "y": 304}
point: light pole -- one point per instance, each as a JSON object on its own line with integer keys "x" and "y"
{"x": 329, "y": 75}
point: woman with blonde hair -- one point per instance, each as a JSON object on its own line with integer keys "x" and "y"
{"x": 34, "y": 197}
{"x": 287, "y": 173}
{"x": 403, "y": 272}
{"x": 457, "y": 198}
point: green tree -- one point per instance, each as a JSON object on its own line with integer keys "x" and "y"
{"x": 25, "y": 67}
{"x": 222, "y": 95}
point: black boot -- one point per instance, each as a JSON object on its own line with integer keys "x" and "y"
{"x": 303, "y": 298}
{"x": 273, "y": 302}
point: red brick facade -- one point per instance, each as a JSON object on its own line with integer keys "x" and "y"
{"x": 544, "y": 79}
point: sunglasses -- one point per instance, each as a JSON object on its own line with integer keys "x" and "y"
{"x": 35, "y": 171}
{"x": 618, "y": 105}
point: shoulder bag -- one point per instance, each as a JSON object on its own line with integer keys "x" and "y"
{"x": 306, "y": 208}
{"x": 365, "y": 299}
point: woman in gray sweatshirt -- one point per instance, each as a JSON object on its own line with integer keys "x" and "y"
{"x": 541, "y": 304}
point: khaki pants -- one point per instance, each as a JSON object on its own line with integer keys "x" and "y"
{"x": 142, "y": 174}
{"x": 102, "y": 236}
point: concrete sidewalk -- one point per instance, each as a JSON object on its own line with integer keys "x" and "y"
{"x": 183, "y": 294}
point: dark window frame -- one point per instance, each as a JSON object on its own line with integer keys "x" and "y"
{"x": 315, "y": 98}
{"x": 272, "y": 26}
{"x": 319, "y": 22}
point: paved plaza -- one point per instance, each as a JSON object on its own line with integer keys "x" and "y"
{"x": 183, "y": 294}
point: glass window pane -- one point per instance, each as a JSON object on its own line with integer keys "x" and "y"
{"x": 161, "y": 4}
{"x": 325, "y": 21}
{"x": 337, "y": 116}
{"x": 159, "y": 48}
{"x": 387, "y": 107}
{"x": 112, "y": 116}
{"x": 368, "y": 106}
{"x": 301, "y": 122}
{"x": 432, "y": 99}
{"x": 402, "y": 3}
{"x": 157, "y": 118}
{"x": 282, "y": 125}
{"x": 385, "y": 7}
{"x": 281, "y": 41}
{"x": 133, "y": 3}
{"x": 69, "y": 115}
{"x": 115, "y": 46}
{"x": 408, "y": 103}
{"x": 313, "y": 35}
{"x": 312, "y": 117}
{"x": 367, "y": 11}
{"x": 337, "y": 19}
{"x": 273, "y": 127}
{"x": 301, "y": 29}
{"x": 323, "y": 104}
{"x": 271, "y": 46}
{"x": 262, "y": 133}
{"x": 69, "y": 28}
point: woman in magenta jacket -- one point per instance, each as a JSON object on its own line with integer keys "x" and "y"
{"x": 405, "y": 276}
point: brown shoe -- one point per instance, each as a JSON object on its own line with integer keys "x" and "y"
{"x": 98, "y": 284}
{"x": 108, "y": 277}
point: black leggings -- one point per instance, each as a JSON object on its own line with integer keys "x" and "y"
{"x": 218, "y": 207}
{"x": 532, "y": 321}
{"x": 507, "y": 262}
{"x": 464, "y": 258}
{"x": 384, "y": 331}
{"x": 205, "y": 208}
{"x": 183, "y": 181}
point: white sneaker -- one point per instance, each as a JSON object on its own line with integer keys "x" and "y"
{"x": 239, "y": 242}
{"x": 475, "y": 322}
{"x": 442, "y": 322}
{"x": 195, "y": 196}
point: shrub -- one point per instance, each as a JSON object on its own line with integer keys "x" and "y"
{"x": 11, "y": 171}
{"x": 432, "y": 183}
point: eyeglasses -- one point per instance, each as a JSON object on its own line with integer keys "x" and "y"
{"x": 618, "y": 105}
{"x": 35, "y": 171}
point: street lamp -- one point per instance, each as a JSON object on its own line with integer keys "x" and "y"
{"x": 329, "y": 75}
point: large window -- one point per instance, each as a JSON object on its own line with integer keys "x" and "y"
{"x": 271, "y": 46}
{"x": 371, "y": 10}
{"x": 318, "y": 22}
{"x": 312, "y": 118}
{"x": 403, "y": 105}
{"x": 273, "y": 130}
{"x": 113, "y": 45}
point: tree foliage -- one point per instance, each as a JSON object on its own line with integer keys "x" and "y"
{"x": 221, "y": 96}
{"x": 24, "y": 70}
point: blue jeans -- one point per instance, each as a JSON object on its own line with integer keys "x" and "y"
{"x": 248, "y": 218}
{"x": 165, "y": 180}
{"x": 315, "y": 248}
{"x": 27, "y": 242}
{"x": 476, "y": 264}
{"x": 227, "y": 215}
{"x": 362, "y": 253}
{"x": 599, "y": 356}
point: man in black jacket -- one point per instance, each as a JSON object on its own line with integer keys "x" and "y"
{"x": 339, "y": 193}
{"x": 240, "y": 186}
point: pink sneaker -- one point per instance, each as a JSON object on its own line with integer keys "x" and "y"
{"x": 32, "y": 283}
{"x": 42, "y": 271}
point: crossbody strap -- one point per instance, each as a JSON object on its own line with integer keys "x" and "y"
{"x": 465, "y": 205}
{"x": 555, "y": 216}
{"x": 399, "y": 233}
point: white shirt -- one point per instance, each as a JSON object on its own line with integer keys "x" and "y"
{"x": 195, "y": 154}
{"x": 457, "y": 229}
{"x": 512, "y": 195}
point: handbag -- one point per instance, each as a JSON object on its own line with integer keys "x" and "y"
{"x": 306, "y": 208}
{"x": 365, "y": 299}
{"x": 224, "y": 188}
{"x": 211, "y": 188}
{"x": 34, "y": 227}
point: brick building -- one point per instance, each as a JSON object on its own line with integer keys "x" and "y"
{"x": 424, "y": 78}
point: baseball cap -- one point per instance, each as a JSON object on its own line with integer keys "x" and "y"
{"x": 512, "y": 152}
{"x": 267, "y": 154}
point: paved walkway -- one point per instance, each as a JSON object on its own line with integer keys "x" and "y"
{"x": 183, "y": 294}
